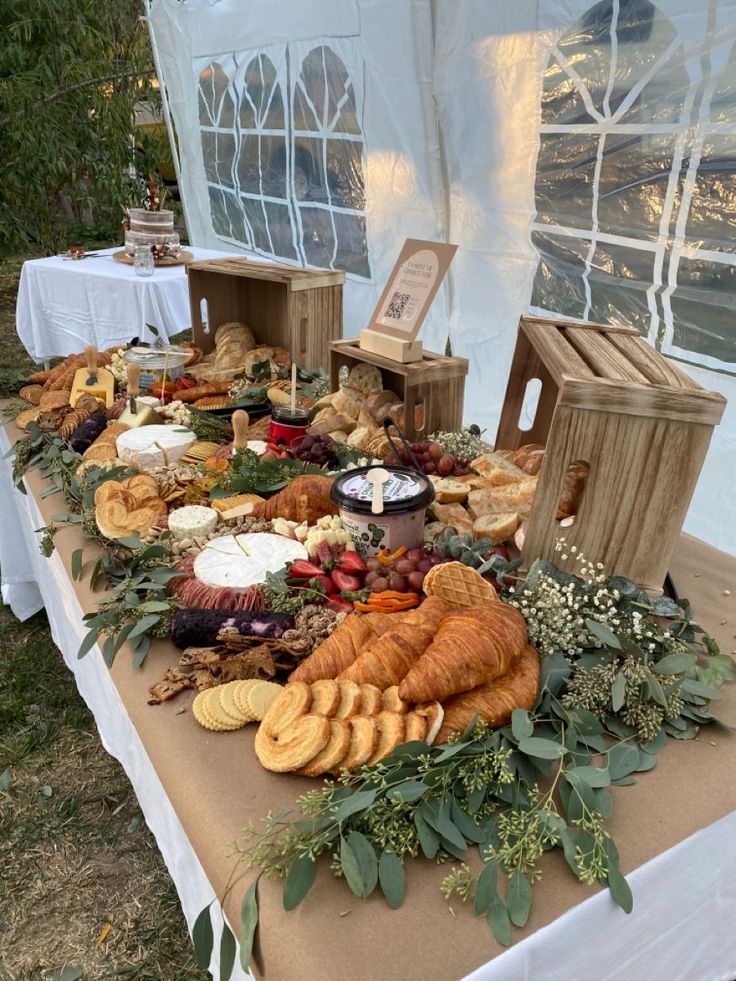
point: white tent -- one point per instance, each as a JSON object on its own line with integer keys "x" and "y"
{"x": 581, "y": 155}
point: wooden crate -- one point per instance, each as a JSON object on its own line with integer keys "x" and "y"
{"x": 641, "y": 424}
{"x": 437, "y": 383}
{"x": 300, "y": 309}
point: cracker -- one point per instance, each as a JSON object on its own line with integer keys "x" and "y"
{"x": 199, "y": 714}
{"x": 212, "y": 708}
{"x": 228, "y": 706}
{"x": 240, "y": 697}
{"x": 206, "y": 710}
{"x": 260, "y": 697}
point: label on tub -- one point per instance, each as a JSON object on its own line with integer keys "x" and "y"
{"x": 399, "y": 487}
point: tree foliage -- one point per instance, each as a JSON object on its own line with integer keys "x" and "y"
{"x": 71, "y": 74}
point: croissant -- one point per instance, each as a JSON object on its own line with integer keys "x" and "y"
{"x": 307, "y": 498}
{"x": 495, "y": 700}
{"x": 430, "y": 614}
{"x": 341, "y": 648}
{"x": 471, "y": 647}
{"x": 385, "y": 661}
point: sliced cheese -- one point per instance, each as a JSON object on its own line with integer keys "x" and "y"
{"x": 154, "y": 446}
{"x": 239, "y": 561}
{"x": 192, "y": 521}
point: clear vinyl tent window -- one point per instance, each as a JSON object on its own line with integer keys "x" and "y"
{"x": 282, "y": 144}
{"x": 635, "y": 199}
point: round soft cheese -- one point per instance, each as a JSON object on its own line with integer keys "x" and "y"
{"x": 257, "y": 446}
{"x": 154, "y": 446}
{"x": 239, "y": 561}
{"x": 192, "y": 521}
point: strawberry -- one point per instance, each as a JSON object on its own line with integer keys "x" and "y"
{"x": 344, "y": 581}
{"x": 339, "y": 605}
{"x": 352, "y": 563}
{"x": 329, "y": 587}
{"x": 303, "y": 569}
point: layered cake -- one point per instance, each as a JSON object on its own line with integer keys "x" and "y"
{"x": 148, "y": 228}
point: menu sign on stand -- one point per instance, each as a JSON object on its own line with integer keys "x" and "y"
{"x": 405, "y": 300}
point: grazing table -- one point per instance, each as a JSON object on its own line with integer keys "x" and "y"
{"x": 65, "y": 304}
{"x": 675, "y": 828}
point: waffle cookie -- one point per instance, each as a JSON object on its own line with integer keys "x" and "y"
{"x": 458, "y": 584}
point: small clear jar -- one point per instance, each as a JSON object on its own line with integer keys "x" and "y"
{"x": 143, "y": 260}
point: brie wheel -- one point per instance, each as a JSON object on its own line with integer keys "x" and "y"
{"x": 240, "y": 561}
{"x": 154, "y": 446}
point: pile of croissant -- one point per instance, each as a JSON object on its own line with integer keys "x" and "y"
{"x": 422, "y": 674}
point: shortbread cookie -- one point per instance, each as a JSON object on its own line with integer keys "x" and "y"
{"x": 392, "y": 729}
{"x": 370, "y": 700}
{"x": 350, "y": 699}
{"x": 336, "y": 749}
{"x": 294, "y": 745}
{"x": 291, "y": 702}
{"x": 363, "y": 744}
{"x": 325, "y": 697}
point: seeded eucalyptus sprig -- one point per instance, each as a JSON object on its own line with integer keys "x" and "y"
{"x": 494, "y": 792}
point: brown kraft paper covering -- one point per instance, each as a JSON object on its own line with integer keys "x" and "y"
{"x": 216, "y": 786}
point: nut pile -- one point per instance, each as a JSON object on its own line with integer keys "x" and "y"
{"x": 239, "y": 526}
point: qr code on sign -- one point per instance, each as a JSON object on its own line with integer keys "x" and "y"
{"x": 397, "y": 305}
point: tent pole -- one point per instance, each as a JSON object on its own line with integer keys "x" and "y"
{"x": 167, "y": 115}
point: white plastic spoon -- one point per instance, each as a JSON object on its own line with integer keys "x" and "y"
{"x": 377, "y": 478}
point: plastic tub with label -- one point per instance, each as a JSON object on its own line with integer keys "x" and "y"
{"x": 406, "y": 496}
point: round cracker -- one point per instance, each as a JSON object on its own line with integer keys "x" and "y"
{"x": 260, "y": 696}
{"x": 212, "y": 710}
{"x": 228, "y": 704}
{"x": 201, "y": 716}
{"x": 240, "y": 696}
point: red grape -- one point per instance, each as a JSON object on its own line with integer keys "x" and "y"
{"x": 446, "y": 465}
{"x": 397, "y": 582}
{"x": 435, "y": 451}
{"x": 416, "y": 581}
{"x": 373, "y": 564}
{"x": 380, "y": 584}
{"x": 371, "y": 578}
{"x": 430, "y": 469}
{"x": 415, "y": 555}
{"x": 405, "y": 566}
{"x": 425, "y": 565}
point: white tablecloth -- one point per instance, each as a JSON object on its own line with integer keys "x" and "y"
{"x": 684, "y": 899}
{"x": 64, "y": 305}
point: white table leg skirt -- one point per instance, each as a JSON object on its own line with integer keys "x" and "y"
{"x": 684, "y": 900}
{"x": 37, "y": 582}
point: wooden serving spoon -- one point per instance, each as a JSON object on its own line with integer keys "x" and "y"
{"x": 241, "y": 422}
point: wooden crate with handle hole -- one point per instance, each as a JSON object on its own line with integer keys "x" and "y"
{"x": 641, "y": 424}
{"x": 285, "y": 306}
{"x": 432, "y": 390}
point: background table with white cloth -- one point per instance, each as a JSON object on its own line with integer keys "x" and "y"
{"x": 65, "y": 304}
{"x": 675, "y": 828}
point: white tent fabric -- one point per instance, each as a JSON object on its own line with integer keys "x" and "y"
{"x": 580, "y": 154}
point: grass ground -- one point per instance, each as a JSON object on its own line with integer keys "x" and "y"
{"x": 84, "y": 893}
